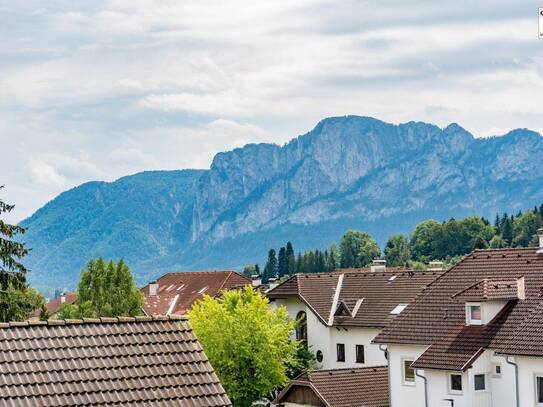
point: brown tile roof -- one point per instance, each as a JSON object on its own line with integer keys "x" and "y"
{"x": 107, "y": 361}
{"x": 370, "y": 297}
{"x": 54, "y": 305}
{"x": 361, "y": 387}
{"x": 178, "y": 291}
{"x": 437, "y": 317}
{"x": 488, "y": 289}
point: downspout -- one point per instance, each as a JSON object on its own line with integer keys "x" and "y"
{"x": 425, "y": 386}
{"x": 509, "y": 362}
{"x": 383, "y": 349}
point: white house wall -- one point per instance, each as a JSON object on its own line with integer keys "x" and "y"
{"x": 402, "y": 395}
{"x": 324, "y": 338}
{"x": 529, "y": 368}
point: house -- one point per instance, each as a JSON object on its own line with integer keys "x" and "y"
{"x": 341, "y": 313}
{"x": 105, "y": 361}
{"x": 54, "y": 305}
{"x": 338, "y": 388}
{"x": 474, "y": 337}
{"x": 174, "y": 293}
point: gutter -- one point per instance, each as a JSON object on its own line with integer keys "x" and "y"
{"x": 425, "y": 386}
{"x": 383, "y": 349}
{"x": 509, "y": 362}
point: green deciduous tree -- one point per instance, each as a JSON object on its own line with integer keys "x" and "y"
{"x": 358, "y": 249}
{"x": 397, "y": 251}
{"x": 247, "y": 342}
{"x": 17, "y": 299}
{"x": 105, "y": 290}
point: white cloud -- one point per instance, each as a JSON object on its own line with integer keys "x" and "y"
{"x": 97, "y": 90}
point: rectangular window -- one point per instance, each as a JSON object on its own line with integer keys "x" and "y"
{"x": 340, "y": 352}
{"x": 360, "y": 354}
{"x": 539, "y": 389}
{"x": 479, "y": 382}
{"x": 497, "y": 370}
{"x": 474, "y": 314}
{"x": 455, "y": 383}
{"x": 408, "y": 372}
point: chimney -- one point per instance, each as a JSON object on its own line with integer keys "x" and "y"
{"x": 256, "y": 280}
{"x": 378, "y": 265}
{"x": 62, "y": 298}
{"x": 153, "y": 288}
{"x": 521, "y": 290}
{"x": 540, "y": 234}
{"x": 435, "y": 265}
{"x": 273, "y": 283}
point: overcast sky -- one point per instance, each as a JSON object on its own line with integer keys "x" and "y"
{"x": 94, "y": 90}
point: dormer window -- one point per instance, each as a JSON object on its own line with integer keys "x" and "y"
{"x": 474, "y": 314}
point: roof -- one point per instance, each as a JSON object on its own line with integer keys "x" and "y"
{"x": 178, "y": 291}
{"x": 369, "y": 298}
{"x": 361, "y": 387}
{"x": 487, "y": 290}
{"x": 54, "y": 305}
{"x": 437, "y": 317}
{"x": 106, "y": 361}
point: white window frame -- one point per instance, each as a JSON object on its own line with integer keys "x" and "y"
{"x": 406, "y": 382}
{"x": 449, "y": 383}
{"x": 486, "y": 382}
{"x": 470, "y": 321}
{"x": 536, "y": 375}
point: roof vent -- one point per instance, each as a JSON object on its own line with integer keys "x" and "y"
{"x": 435, "y": 265}
{"x": 540, "y": 234}
{"x": 153, "y": 288}
{"x": 378, "y": 266}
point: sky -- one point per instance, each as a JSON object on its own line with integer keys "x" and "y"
{"x": 94, "y": 90}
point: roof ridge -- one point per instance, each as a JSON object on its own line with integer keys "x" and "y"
{"x": 343, "y": 369}
{"x": 101, "y": 320}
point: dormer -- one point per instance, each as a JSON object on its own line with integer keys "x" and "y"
{"x": 486, "y": 298}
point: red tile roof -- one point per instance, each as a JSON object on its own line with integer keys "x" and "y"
{"x": 369, "y": 297}
{"x": 178, "y": 291}
{"x": 54, "y": 305}
{"x": 488, "y": 289}
{"x": 361, "y": 387}
{"x": 106, "y": 361}
{"x": 437, "y": 317}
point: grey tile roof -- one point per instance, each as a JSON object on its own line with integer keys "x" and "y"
{"x": 106, "y": 361}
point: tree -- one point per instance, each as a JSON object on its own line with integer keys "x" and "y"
{"x": 17, "y": 299}
{"x": 397, "y": 250}
{"x": 291, "y": 259}
{"x": 282, "y": 263}
{"x": 423, "y": 244}
{"x": 270, "y": 270}
{"x": 105, "y": 290}
{"x": 497, "y": 242}
{"x": 247, "y": 342}
{"x": 251, "y": 270}
{"x": 358, "y": 249}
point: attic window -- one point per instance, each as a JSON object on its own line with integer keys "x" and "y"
{"x": 474, "y": 314}
{"x": 398, "y": 310}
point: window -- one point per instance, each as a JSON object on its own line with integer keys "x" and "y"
{"x": 320, "y": 356}
{"x": 479, "y": 382}
{"x": 539, "y": 390}
{"x": 360, "y": 354}
{"x": 474, "y": 314}
{"x": 497, "y": 371}
{"x": 455, "y": 383}
{"x": 399, "y": 308}
{"x": 408, "y": 373}
{"x": 340, "y": 352}
{"x": 301, "y": 327}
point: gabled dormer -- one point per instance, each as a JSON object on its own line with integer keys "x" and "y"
{"x": 486, "y": 298}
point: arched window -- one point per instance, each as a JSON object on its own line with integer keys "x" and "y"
{"x": 301, "y": 327}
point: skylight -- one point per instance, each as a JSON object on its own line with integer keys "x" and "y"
{"x": 393, "y": 278}
{"x": 399, "y": 308}
{"x": 202, "y": 290}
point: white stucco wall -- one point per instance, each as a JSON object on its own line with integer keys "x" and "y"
{"x": 529, "y": 368}
{"x": 324, "y": 338}
{"x": 403, "y": 395}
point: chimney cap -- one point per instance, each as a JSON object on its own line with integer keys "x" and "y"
{"x": 540, "y": 231}
{"x": 379, "y": 261}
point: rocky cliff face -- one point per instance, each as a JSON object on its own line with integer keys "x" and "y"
{"x": 347, "y": 172}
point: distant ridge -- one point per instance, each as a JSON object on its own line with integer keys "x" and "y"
{"x": 348, "y": 172}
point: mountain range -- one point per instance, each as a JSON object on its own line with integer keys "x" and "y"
{"x": 348, "y": 172}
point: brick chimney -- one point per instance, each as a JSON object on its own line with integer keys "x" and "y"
{"x": 540, "y": 234}
{"x": 153, "y": 288}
